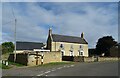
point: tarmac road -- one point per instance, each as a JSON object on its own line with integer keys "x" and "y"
{"x": 88, "y": 69}
{"x": 79, "y": 69}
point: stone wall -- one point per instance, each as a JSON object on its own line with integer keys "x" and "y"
{"x": 31, "y": 59}
{"x": 47, "y": 58}
{"x": 78, "y": 59}
{"x": 89, "y": 59}
{"x": 108, "y": 59}
{"x": 99, "y": 59}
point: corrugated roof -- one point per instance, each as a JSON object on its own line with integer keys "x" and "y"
{"x": 28, "y": 45}
{"x": 70, "y": 39}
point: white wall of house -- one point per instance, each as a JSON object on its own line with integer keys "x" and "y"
{"x": 67, "y": 48}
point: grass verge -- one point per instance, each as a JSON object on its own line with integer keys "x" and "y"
{"x": 2, "y": 66}
{"x": 11, "y": 65}
{"x": 56, "y": 63}
{"x": 15, "y": 64}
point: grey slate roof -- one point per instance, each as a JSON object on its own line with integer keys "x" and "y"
{"x": 28, "y": 45}
{"x": 70, "y": 39}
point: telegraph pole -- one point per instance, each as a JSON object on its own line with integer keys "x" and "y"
{"x": 14, "y": 36}
{"x": 15, "y": 40}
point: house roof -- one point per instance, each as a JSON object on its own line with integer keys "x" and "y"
{"x": 70, "y": 39}
{"x": 28, "y": 45}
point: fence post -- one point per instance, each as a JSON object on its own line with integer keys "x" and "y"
{"x": 3, "y": 61}
{"x": 6, "y": 63}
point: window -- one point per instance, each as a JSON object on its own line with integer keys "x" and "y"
{"x": 81, "y": 53}
{"x": 62, "y": 53}
{"x": 81, "y": 47}
{"x": 62, "y": 49}
{"x": 71, "y": 53}
{"x": 61, "y": 46}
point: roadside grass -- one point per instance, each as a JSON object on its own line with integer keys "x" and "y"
{"x": 2, "y": 66}
{"x": 11, "y": 65}
{"x": 15, "y": 64}
{"x": 56, "y": 63}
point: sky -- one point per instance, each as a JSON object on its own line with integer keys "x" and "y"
{"x": 60, "y": 0}
{"x": 95, "y": 19}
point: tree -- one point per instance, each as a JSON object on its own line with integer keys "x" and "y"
{"x": 7, "y": 47}
{"x": 104, "y": 44}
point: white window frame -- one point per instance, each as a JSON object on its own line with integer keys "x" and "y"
{"x": 81, "y": 47}
{"x": 71, "y": 53}
{"x": 79, "y": 53}
{"x": 62, "y": 52}
{"x": 62, "y": 47}
{"x": 71, "y": 50}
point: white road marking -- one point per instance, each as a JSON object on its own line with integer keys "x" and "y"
{"x": 59, "y": 68}
{"x": 44, "y": 73}
{"x": 64, "y": 66}
{"x": 54, "y": 69}
{"x": 40, "y": 74}
{"x": 72, "y": 65}
{"x": 48, "y": 72}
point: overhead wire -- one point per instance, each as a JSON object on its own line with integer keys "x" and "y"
{"x": 7, "y": 22}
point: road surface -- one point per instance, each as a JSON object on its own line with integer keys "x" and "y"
{"x": 79, "y": 69}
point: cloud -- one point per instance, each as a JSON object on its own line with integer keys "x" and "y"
{"x": 33, "y": 20}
